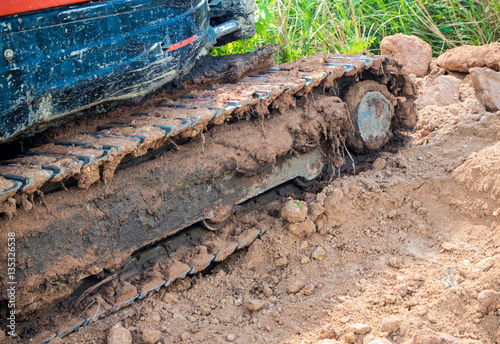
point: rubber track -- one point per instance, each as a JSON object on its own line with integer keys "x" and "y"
{"x": 248, "y": 239}
{"x": 89, "y": 157}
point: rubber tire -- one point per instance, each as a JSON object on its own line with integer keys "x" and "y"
{"x": 352, "y": 98}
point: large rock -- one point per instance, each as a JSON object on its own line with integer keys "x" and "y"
{"x": 486, "y": 82}
{"x": 410, "y": 51}
{"x": 442, "y": 91}
{"x": 462, "y": 59}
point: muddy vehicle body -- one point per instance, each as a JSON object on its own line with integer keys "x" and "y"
{"x": 108, "y": 202}
{"x": 59, "y": 60}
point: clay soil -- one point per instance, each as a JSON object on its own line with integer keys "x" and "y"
{"x": 406, "y": 251}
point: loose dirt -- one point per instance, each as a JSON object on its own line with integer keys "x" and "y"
{"x": 407, "y": 252}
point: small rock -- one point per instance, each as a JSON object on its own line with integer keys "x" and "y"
{"x": 268, "y": 292}
{"x": 329, "y": 341}
{"x": 170, "y": 298}
{"x": 442, "y": 91}
{"x": 231, "y": 337}
{"x": 380, "y": 341}
{"x": 402, "y": 289}
{"x": 316, "y": 210}
{"x": 294, "y": 211}
{"x": 422, "y": 211}
{"x": 303, "y": 229}
{"x": 119, "y": 335}
{"x": 53, "y": 341}
{"x": 395, "y": 262}
{"x": 379, "y": 164}
{"x": 186, "y": 336}
{"x": 318, "y": 254}
{"x": 411, "y": 51}
{"x": 294, "y": 287}
{"x": 2, "y": 336}
{"x": 254, "y": 305}
{"x": 328, "y": 332}
{"x": 350, "y": 337}
{"x": 307, "y": 290}
{"x": 486, "y": 82}
{"x": 392, "y": 214}
{"x": 255, "y": 255}
{"x": 416, "y": 204}
{"x": 305, "y": 260}
{"x": 333, "y": 200}
{"x": 125, "y": 291}
{"x": 430, "y": 337}
{"x": 488, "y": 300}
{"x": 191, "y": 318}
{"x": 390, "y": 324}
{"x": 360, "y": 328}
{"x": 432, "y": 317}
{"x": 154, "y": 318}
{"x": 280, "y": 262}
{"x": 151, "y": 336}
{"x": 463, "y": 58}
{"x": 447, "y": 246}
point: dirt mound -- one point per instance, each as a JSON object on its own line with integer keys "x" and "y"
{"x": 480, "y": 173}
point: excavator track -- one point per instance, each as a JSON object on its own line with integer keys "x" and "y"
{"x": 184, "y": 160}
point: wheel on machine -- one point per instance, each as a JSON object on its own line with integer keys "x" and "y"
{"x": 371, "y": 108}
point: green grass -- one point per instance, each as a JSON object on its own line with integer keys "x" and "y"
{"x": 303, "y": 27}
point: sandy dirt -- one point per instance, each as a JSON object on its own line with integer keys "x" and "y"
{"x": 406, "y": 252}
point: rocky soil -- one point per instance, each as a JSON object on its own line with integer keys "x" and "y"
{"x": 407, "y": 251}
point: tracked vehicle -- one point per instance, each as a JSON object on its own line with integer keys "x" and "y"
{"x": 101, "y": 208}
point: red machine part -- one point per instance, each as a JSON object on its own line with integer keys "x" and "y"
{"x": 8, "y": 7}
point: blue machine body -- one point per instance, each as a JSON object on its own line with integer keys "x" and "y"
{"x": 61, "y": 60}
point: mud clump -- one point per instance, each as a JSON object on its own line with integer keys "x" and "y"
{"x": 294, "y": 211}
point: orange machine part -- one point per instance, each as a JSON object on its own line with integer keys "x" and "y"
{"x": 8, "y": 7}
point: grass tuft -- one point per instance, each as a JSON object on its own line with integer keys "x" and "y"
{"x": 303, "y": 27}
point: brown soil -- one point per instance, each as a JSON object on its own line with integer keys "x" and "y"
{"x": 410, "y": 249}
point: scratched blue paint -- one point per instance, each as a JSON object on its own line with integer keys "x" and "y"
{"x": 68, "y": 58}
